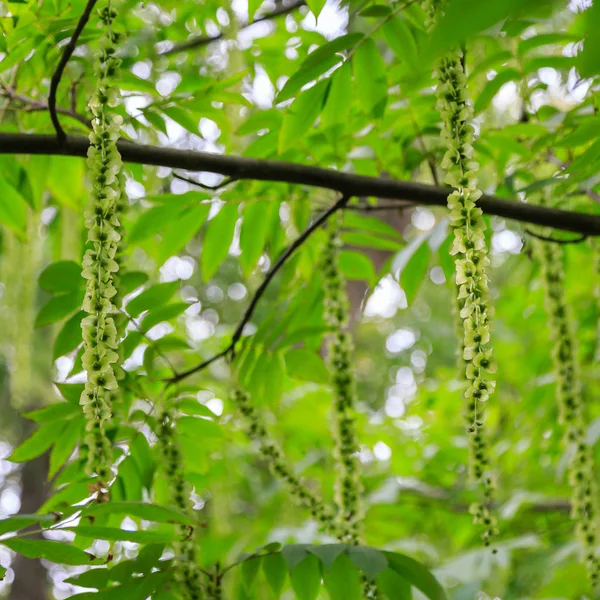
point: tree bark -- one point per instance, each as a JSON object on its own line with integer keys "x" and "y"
{"x": 31, "y": 576}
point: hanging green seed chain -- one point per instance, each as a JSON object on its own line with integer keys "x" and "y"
{"x": 186, "y": 568}
{"x": 99, "y": 265}
{"x": 584, "y": 492}
{"x": 339, "y": 352}
{"x": 275, "y": 460}
{"x": 471, "y": 260}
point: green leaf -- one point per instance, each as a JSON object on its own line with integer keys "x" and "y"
{"x": 36, "y": 444}
{"x": 61, "y": 277}
{"x": 275, "y": 570}
{"x": 13, "y": 207}
{"x": 329, "y": 49}
{"x": 249, "y": 570}
{"x": 316, "y": 6}
{"x": 56, "y": 552}
{"x": 294, "y": 554}
{"x": 153, "y": 221}
{"x": 304, "y": 76}
{"x": 368, "y": 240}
{"x": 163, "y": 313}
{"x": 463, "y": 19}
{"x": 71, "y": 392}
{"x": 183, "y": 117}
{"x": 355, "y": 265}
{"x": 2, "y": 572}
{"x": 154, "y": 296}
{"x": 339, "y": 97}
{"x": 199, "y": 429}
{"x": 394, "y": 586}
{"x": 416, "y": 574}
{"x": 493, "y": 87}
{"x": 545, "y": 39}
{"x": 305, "y": 365}
{"x": 328, "y": 553}
{"x": 375, "y": 10}
{"x": 18, "y": 522}
{"x": 65, "y": 445}
{"x": 114, "y": 534}
{"x": 410, "y": 265}
{"x": 370, "y": 78}
{"x": 142, "y": 510}
{"x": 401, "y": 40}
{"x": 549, "y": 62}
{"x": 191, "y": 406}
{"x": 137, "y": 588}
{"x": 58, "y": 308}
{"x": 217, "y": 239}
{"x": 53, "y": 413}
{"x": 180, "y": 231}
{"x": 69, "y": 337}
{"x": 131, "y": 280}
{"x": 253, "y": 234}
{"x": 370, "y": 561}
{"x": 342, "y": 580}
{"x": 301, "y": 115}
{"x": 306, "y": 578}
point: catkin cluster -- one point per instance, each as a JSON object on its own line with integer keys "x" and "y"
{"x": 274, "y": 458}
{"x": 584, "y": 493}
{"x": 471, "y": 260}
{"x": 187, "y": 572}
{"x": 99, "y": 265}
{"x": 340, "y": 349}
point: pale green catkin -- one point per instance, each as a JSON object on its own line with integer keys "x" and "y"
{"x": 340, "y": 347}
{"x": 99, "y": 264}
{"x": 275, "y": 460}
{"x": 471, "y": 260}
{"x": 187, "y": 572}
{"x": 584, "y": 492}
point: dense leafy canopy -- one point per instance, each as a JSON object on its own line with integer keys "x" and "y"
{"x": 240, "y": 377}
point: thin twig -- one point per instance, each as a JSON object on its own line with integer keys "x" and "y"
{"x": 210, "y": 188}
{"x": 31, "y": 104}
{"x": 283, "y": 258}
{"x": 380, "y": 207}
{"x": 545, "y": 238}
{"x": 58, "y": 73}
{"x": 204, "y": 40}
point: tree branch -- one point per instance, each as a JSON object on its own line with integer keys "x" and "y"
{"x": 31, "y": 104}
{"x": 258, "y": 294}
{"x": 204, "y": 40}
{"x": 64, "y": 59}
{"x": 257, "y": 169}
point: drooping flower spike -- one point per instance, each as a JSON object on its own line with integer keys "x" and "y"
{"x": 584, "y": 490}
{"x": 186, "y": 569}
{"x": 471, "y": 260}
{"x": 99, "y": 265}
{"x": 339, "y": 352}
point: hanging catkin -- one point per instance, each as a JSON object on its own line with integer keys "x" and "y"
{"x": 471, "y": 260}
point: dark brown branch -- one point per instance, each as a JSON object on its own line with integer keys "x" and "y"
{"x": 258, "y": 294}
{"x": 546, "y": 238}
{"x": 31, "y": 104}
{"x": 196, "y": 42}
{"x": 258, "y": 169}
{"x": 64, "y": 59}
{"x": 210, "y": 188}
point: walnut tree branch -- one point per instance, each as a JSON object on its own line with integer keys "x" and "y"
{"x": 58, "y": 73}
{"x": 198, "y": 41}
{"x": 32, "y": 104}
{"x": 258, "y": 169}
{"x": 258, "y": 294}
